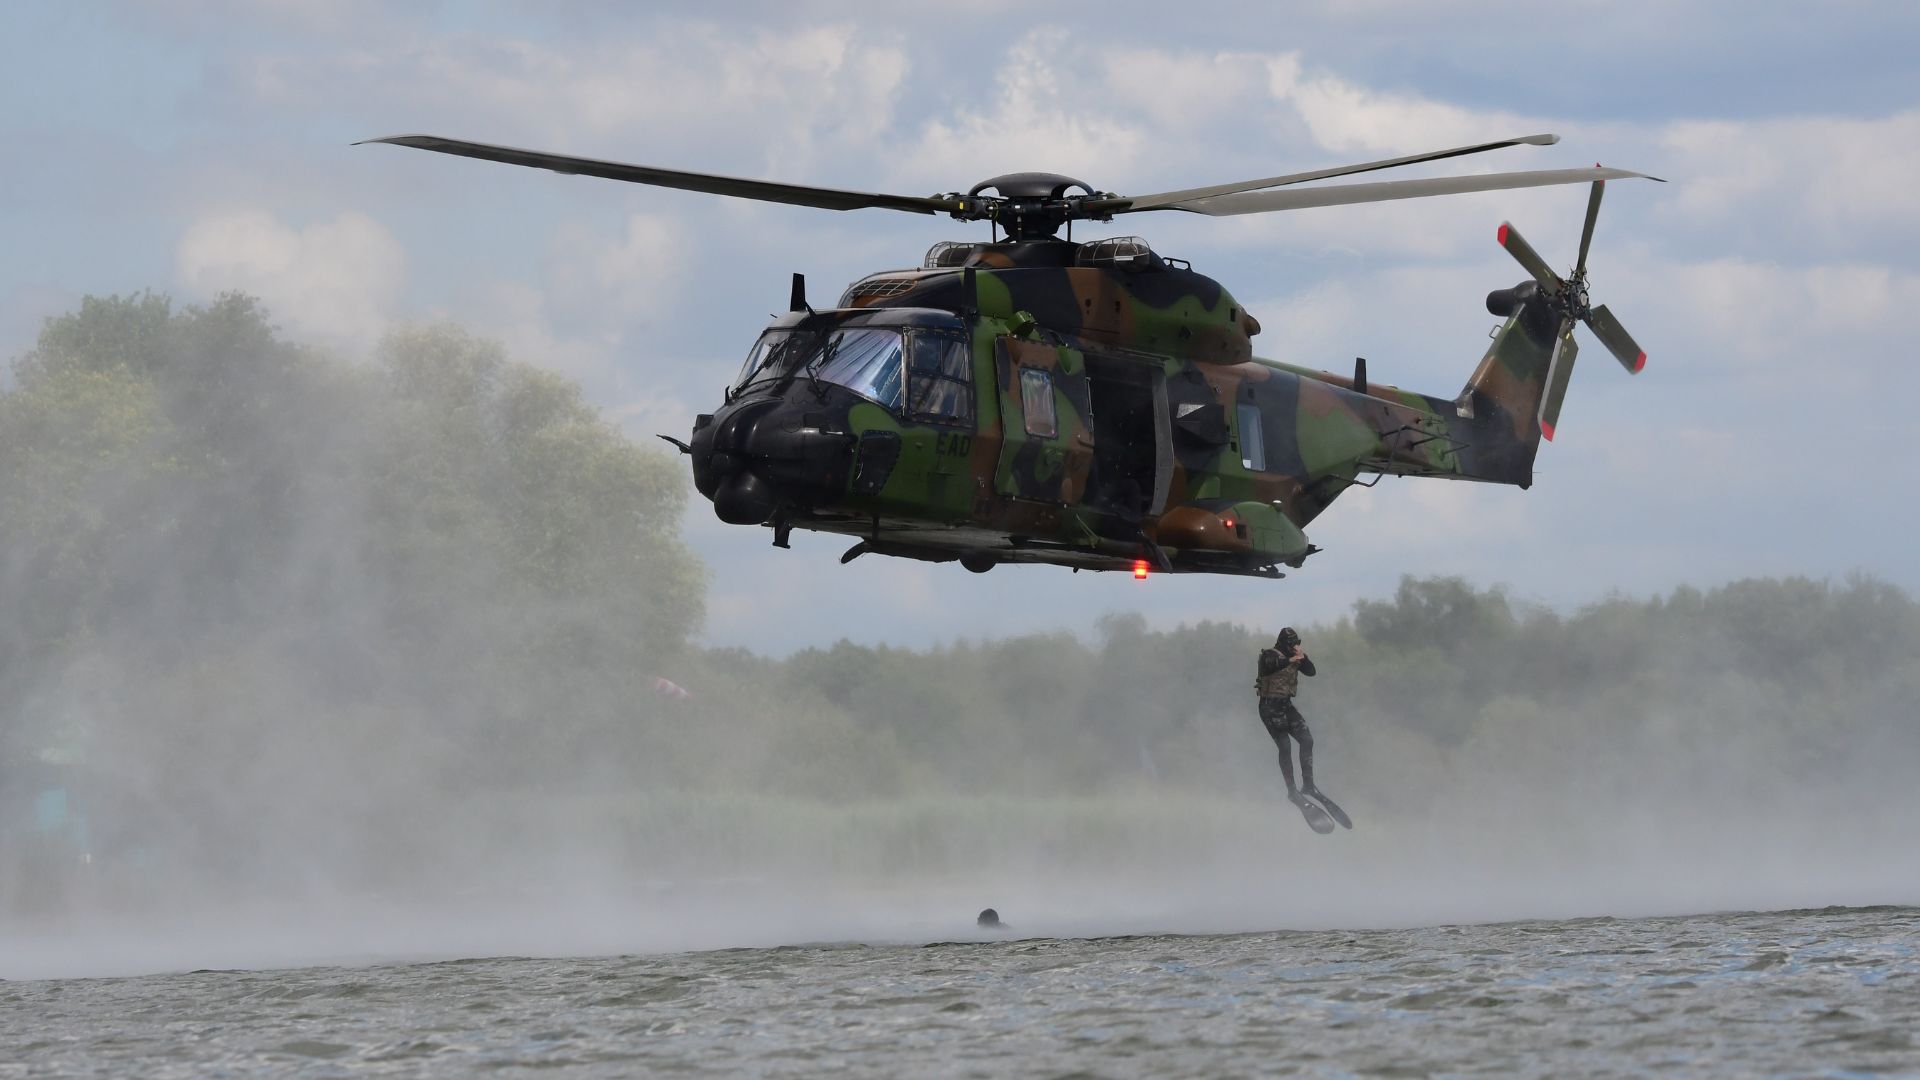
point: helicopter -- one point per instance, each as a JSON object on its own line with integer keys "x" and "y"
{"x": 1096, "y": 405}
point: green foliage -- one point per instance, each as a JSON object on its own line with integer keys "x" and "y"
{"x": 214, "y": 535}
{"x": 1434, "y": 613}
{"x": 1444, "y": 684}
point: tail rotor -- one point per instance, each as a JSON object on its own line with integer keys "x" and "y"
{"x": 1568, "y": 299}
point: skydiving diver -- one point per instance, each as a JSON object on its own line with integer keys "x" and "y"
{"x": 1280, "y": 671}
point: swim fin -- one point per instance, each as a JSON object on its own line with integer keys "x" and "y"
{"x": 1317, "y": 819}
{"x": 1332, "y": 808}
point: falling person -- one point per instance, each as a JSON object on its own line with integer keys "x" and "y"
{"x": 1279, "y": 680}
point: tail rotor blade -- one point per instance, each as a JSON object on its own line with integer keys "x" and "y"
{"x": 1559, "y": 374}
{"x": 1586, "y": 234}
{"x": 1617, "y": 340}
{"x": 1523, "y": 252}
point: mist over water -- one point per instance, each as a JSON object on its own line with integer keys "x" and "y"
{"x": 307, "y": 660}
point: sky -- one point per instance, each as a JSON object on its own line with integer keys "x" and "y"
{"x": 195, "y": 148}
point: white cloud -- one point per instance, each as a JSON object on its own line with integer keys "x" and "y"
{"x": 771, "y": 98}
{"x": 1350, "y": 118}
{"x": 585, "y": 314}
{"x": 634, "y": 276}
{"x": 1178, "y": 91}
{"x": 1421, "y": 327}
{"x": 337, "y": 280}
{"x": 1039, "y": 118}
{"x": 521, "y": 316}
{"x": 1822, "y": 183}
{"x": 1771, "y": 325}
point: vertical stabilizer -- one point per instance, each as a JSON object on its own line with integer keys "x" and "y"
{"x": 1503, "y": 400}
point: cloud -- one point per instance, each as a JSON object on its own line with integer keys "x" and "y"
{"x": 767, "y": 98}
{"x": 1766, "y": 327}
{"x": 584, "y": 316}
{"x": 1037, "y": 118}
{"x": 1350, "y": 118}
{"x": 1829, "y": 183}
{"x": 337, "y": 280}
{"x": 632, "y": 277}
{"x": 1180, "y": 90}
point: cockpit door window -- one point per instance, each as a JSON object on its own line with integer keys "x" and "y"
{"x": 939, "y": 378}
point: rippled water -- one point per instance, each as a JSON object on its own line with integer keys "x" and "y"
{"x": 1809, "y": 992}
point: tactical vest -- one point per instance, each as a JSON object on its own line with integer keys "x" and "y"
{"x": 1283, "y": 683}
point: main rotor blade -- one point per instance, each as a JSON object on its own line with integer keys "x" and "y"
{"x": 763, "y": 190}
{"x": 1524, "y": 254}
{"x": 1617, "y": 340}
{"x": 1131, "y": 204}
{"x": 1261, "y": 202}
{"x": 1586, "y": 234}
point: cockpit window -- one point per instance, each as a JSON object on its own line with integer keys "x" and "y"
{"x": 767, "y": 358}
{"x": 939, "y": 377}
{"x": 927, "y": 372}
{"x": 865, "y": 360}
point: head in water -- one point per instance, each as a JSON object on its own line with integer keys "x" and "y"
{"x": 989, "y": 919}
{"x": 1288, "y": 638}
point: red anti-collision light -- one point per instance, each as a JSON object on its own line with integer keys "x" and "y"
{"x": 1140, "y": 569}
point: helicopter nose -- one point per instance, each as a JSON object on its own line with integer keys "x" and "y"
{"x": 745, "y": 499}
{"x": 757, "y": 457}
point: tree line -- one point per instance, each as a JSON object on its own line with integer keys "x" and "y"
{"x": 257, "y": 595}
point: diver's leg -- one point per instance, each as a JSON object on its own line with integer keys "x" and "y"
{"x": 1279, "y": 734}
{"x": 1305, "y": 738}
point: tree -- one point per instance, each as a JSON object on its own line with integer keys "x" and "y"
{"x": 246, "y": 569}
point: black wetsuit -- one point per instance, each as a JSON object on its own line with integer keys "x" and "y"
{"x": 1282, "y": 720}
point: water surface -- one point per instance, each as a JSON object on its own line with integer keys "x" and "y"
{"x": 1830, "y": 992}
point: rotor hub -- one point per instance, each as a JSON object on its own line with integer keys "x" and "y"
{"x": 1575, "y": 298}
{"x": 1031, "y": 205}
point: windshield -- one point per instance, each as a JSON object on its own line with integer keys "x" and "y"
{"x": 768, "y": 358}
{"x": 864, "y": 359}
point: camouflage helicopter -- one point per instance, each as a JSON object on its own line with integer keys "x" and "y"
{"x": 1030, "y": 399}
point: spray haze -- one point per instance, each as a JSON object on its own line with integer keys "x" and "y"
{"x": 307, "y": 659}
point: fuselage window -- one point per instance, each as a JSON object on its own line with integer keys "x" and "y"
{"x": 939, "y": 378}
{"x": 1253, "y": 443}
{"x": 1036, "y": 400}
